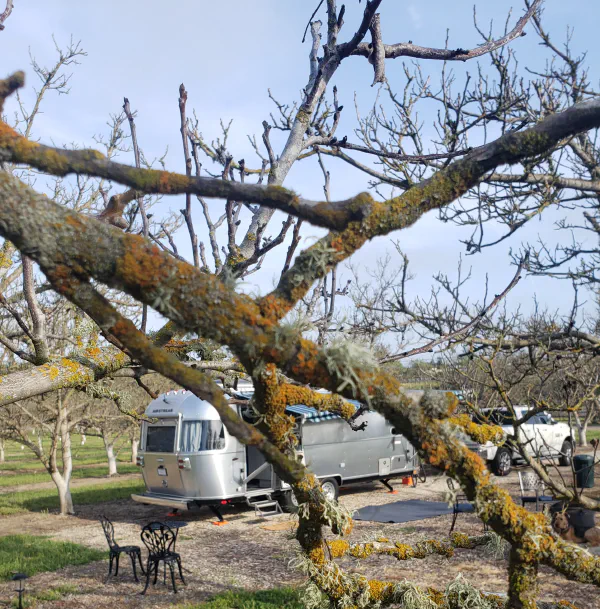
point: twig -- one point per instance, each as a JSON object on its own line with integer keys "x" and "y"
{"x": 292, "y": 248}
{"x": 464, "y": 329}
{"x": 187, "y": 212}
{"x": 310, "y": 20}
{"x": 145, "y": 224}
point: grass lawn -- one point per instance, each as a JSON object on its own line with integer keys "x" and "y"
{"x": 30, "y": 555}
{"x": 285, "y": 598}
{"x": 31, "y": 599}
{"x": 47, "y": 499}
{"x": 593, "y": 434}
{"x": 89, "y": 461}
{"x": 78, "y": 473}
{"x": 92, "y": 452}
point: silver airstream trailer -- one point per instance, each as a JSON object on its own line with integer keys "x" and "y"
{"x": 189, "y": 459}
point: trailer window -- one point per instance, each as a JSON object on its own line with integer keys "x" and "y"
{"x": 160, "y": 439}
{"x": 197, "y": 436}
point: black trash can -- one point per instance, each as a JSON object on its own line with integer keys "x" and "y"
{"x": 584, "y": 470}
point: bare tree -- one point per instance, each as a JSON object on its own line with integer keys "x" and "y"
{"x": 53, "y": 417}
{"x": 497, "y": 359}
{"x": 273, "y": 352}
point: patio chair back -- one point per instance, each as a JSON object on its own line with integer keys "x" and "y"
{"x": 158, "y": 538}
{"x": 109, "y": 531}
{"x": 530, "y": 481}
{"x": 456, "y": 490}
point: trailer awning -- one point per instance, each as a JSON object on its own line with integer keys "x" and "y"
{"x": 314, "y": 415}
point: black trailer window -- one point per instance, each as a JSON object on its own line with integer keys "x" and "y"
{"x": 197, "y": 436}
{"x": 160, "y": 439}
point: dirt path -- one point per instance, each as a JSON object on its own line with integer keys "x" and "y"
{"x": 75, "y": 483}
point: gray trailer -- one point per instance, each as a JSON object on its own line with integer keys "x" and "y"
{"x": 189, "y": 459}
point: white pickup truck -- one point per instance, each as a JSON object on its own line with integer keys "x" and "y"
{"x": 544, "y": 437}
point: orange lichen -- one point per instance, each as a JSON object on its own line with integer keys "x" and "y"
{"x": 338, "y": 548}
{"x": 361, "y": 550}
{"x": 481, "y": 433}
{"x": 437, "y": 596}
{"x": 6, "y": 252}
{"x": 379, "y": 590}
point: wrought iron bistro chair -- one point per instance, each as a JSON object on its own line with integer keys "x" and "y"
{"x": 159, "y": 539}
{"x": 533, "y": 490}
{"x": 116, "y": 550}
{"x": 460, "y": 505}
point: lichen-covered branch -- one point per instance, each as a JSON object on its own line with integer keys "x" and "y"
{"x": 480, "y": 433}
{"x": 402, "y": 551}
{"x": 434, "y": 193}
{"x": 73, "y": 371}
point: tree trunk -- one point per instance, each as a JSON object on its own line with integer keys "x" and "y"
{"x": 2, "y": 457}
{"x": 135, "y": 443}
{"x": 64, "y": 494}
{"x": 67, "y": 459}
{"x": 109, "y": 446}
{"x": 582, "y": 426}
{"x": 582, "y": 434}
{"x": 83, "y": 439}
{"x": 522, "y": 582}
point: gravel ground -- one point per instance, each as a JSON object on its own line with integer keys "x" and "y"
{"x": 243, "y": 554}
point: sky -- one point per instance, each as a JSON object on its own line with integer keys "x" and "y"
{"x": 228, "y": 55}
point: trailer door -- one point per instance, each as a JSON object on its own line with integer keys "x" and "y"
{"x": 161, "y": 472}
{"x": 400, "y": 448}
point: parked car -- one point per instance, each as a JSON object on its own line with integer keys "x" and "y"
{"x": 543, "y": 436}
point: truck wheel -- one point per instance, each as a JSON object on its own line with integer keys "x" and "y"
{"x": 330, "y": 488}
{"x": 567, "y": 451}
{"x": 289, "y": 503}
{"x": 502, "y": 463}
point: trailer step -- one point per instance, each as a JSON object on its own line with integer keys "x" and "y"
{"x": 260, "y": 492}
{"x": 266, "y": 509}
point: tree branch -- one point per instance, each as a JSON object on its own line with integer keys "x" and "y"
{"x": 6, "y": 13}
{"x": 407, "y": 49}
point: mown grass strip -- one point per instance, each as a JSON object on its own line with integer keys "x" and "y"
{"x": 47, "y": 499}
{"x": 30, "y": 554}
{"x": 283, "y": 598}
{"x": 99, "y": 471}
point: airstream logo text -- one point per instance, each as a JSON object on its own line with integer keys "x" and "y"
{"x": 157, "y": 410}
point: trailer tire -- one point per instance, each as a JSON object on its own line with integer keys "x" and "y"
{"x": 289, "y": 503}
{"x": 331, "y": 488}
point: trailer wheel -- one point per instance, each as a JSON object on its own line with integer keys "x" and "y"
{"x": 330, "y": 488}
{"x": 289, "y": 503}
